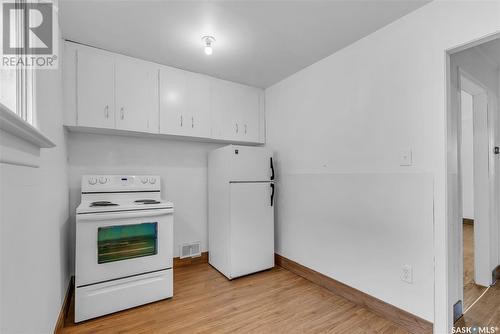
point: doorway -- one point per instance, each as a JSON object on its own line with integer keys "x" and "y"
{"x": 475, "y": 178}
{"x": 473, "y": 183}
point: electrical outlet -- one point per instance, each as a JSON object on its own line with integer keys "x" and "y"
{"x": 405, "y": 158}
{"x": 407, "y": 273}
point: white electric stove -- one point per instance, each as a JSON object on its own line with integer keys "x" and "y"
{"x": 124, "y": 244}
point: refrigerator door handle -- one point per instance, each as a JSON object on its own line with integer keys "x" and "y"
{"x": 272, "y": 193}
{"x": 272, "y": 169}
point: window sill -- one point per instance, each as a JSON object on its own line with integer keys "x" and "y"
{"x": 13, "y": 124}
{"x": 20, "y": 142}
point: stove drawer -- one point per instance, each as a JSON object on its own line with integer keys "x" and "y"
{"x": 99, "y": 299}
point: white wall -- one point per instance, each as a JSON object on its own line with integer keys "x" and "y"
{"x": 467, "y": 157}
{"x": 182, "y": 166}
{"x": 35, "y": 225}
{"x": 345, "y": 120}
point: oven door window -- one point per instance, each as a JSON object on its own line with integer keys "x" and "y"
{"x": 123, "y": 242}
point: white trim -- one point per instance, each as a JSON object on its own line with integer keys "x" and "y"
{"x": 119, "y": 132}
{"x": 13, "y": 124}
{"x": 451, "y": 210}
{"x": 18, "y": 163}
{"x": 473, "y": 43}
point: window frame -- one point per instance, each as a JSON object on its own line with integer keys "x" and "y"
{"x": 25, "y": 77}
{"x": 20, "y": 138}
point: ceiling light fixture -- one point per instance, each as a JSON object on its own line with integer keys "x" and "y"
{"x": 208, "y": 40}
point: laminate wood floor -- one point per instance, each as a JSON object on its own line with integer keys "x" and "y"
{"x": 274, "y": 301}
{"x": 484, "y": 313}
{"x": 472, "y": 291}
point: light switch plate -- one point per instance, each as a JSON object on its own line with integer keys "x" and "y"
{"x": 405, "y": 158}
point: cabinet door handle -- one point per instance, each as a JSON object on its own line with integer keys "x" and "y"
{"x": 181, "y": 120}
{"x": 122, "y": 113}
{"x": 106, "y": 111}
{"x": 192, "y": 121}
{"x": 245, "y": 129}
{"x": 236, "y": 127}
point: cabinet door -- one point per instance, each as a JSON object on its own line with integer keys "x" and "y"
{"x": 235, "y": 111}
{"x": 252, "y": 228}
{"x": 224, "y": 107}
{"x": 95, "y": 89}
{"x": 248, "y": 115}
{"x": 136, "y": 95}
{"x": 198, "y": 105}
{"x": 173, "y": 101}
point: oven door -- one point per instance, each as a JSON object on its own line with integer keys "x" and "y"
{"x": 122, "y": 244}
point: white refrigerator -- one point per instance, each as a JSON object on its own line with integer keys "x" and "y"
{"x": 241, "y": 210}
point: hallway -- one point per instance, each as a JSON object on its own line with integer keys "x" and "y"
{"x": 484, "y": 313}
{"x": 472, "y": 291}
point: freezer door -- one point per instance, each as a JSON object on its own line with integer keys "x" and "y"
{"x": 250, "y": 163}
{"x": 252, "y": 228}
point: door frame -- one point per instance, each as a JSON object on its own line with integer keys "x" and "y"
{"x": 454, "y": 283}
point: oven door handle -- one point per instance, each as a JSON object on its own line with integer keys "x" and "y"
{"x": 123, "y": 214}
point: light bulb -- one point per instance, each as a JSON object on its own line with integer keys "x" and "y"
{"x": 208, "y": 40}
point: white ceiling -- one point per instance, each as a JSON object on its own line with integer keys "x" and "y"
{"x": 258, "y": 42}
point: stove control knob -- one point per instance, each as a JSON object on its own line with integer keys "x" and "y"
{"x": 92, "y": 180}
{"x": 144, "y": 180}
{"x": 103, "y": 180}
{"x": 152, "y": 180}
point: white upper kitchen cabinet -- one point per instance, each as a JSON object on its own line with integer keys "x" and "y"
{"x": 136, "y": 91}
{"x": 173, "y": 101}
{"x": 95, "y": 88}
{"x": 199, "y": 104}
{"x": 235, "y": 111}
{"x": 184, "y": 103}
{"x": 248, "y": 114}
{"x": 106, "y": 92}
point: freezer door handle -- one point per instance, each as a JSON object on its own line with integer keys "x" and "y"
{"x": 272, "y": 169}
{"x": 272, "y": 193}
